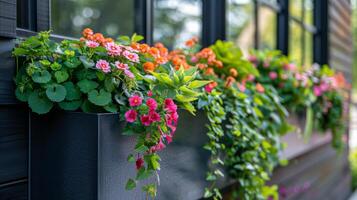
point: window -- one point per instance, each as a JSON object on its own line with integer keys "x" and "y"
{"x": 252, "y": 23}
{"x": 109, "y": 17}
{"x": 26, "y": 14}
{"x": 301, "y": 32}
{"x": 176, "y": 21}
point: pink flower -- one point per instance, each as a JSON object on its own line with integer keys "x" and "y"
{"x": 324, "y": 86}
{"x": 151, "y": 103}
{"x": 131, "y": 56}
{"x": 139, "y": 163}
{"x": 168, "y": 138}
{"x": 150, "y": 93}
{"x": 250, "y": 77}
{"x": 103, "y": 65}
{"x": 194, "y": 59}
{"x": 241, "y": 87}
{"x": 128, "y": 73}
{"x": 145, "y": 120}
{"x": 135, "y": 100}
{"x": 298, "y": 76}
{"x": 159, "y": 146}
{"x": 317, "y": 91}
{"x": 154, "y": 116}
{"x": 252, "y": 58}
{"x": 91, "y": 44}
{"x": 273, "y": 75}
{"x": 113, "y": 49}
{"x": 209, "y": 88}
{"x": 290, "y": 66}
{"x": 121, "y": 66}
{"x": 170, "y": 106}
{"x": 130, "y": 115}
{"x": 266, "y": 63}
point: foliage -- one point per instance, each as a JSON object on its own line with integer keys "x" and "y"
{"x": 97, "y": 74}
{"x": 353, "y": 165}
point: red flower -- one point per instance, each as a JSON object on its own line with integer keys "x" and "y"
{"x": 151, "y": 103}
{"x": 170, "y": 106}
{"x": 135, "y": 100}
{"x": 139, "y": 163}
{"x": 145, "y": 120}
{"x": 150, "y": 93}
{"x": 131, "y": 115}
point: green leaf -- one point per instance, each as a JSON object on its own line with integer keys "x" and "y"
{"x": 109, "y": 85}
{"x": 143, "y": 174}
{"x": 61, "y": 76}
{"x": 131, "y": 184}
{"x": 150, "y": 189}
{"x": 56, "y": 92}
{"x": 55, "y": 66}
{"x": 141, "y": 148}
{"x": 20, "y": 51}
{"x": 70, "y": 105}
{"x": 182, "y": 98}
{"x": 39, "y": 104}
{"x": 22, "y": 96}
{"x": 86, "y": 85}
{"x": 73, "y": 92}
{"x": 88, "y": 63}
{"x": 41, "y": 77}
{"x": 198, "y": 84}
{"x": 136, "y": 38}
{"x": 72, "y": 63}
{"x": 113, "y": 108}
{"x": 131, "y": 158}
{"x": 100, "y": 99}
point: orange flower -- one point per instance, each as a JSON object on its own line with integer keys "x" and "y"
{"x": 233, "y": 72}
{"x": 218, "y": 63}
{"x": 191, "y": 42}
{"x": 135, "y": 46}
{"x": 259, "y": 88}
{"x": 144, "y": 48}
{"x": 159, "y": 45}
{"x": 154, "y": 52}
{"x": 160, "y": 60}
{"x": 201, "y": 66}
{"x": 229, "y": 81}
{"x": 149, "y": 66}
{"x": 209, "y": 71}
{"x": 86, "y": 32}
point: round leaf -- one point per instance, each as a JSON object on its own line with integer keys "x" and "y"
{"x": 41, "y": 77}
{"x": 56, "y": 92}
{"x": 86, "y": 85}
{"x": 39, "y": 104}
{"x": 61, "y": 76}
{"x": 72, "y": 63}
{"x": 73, "y": 92}
{"x": 88, "y": 63}
{"x": 102, "y": 98}
{"x": 22, "y": 96}
{"x": 70, "y": 105}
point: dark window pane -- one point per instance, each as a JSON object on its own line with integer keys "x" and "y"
{"x": 109, "y": 17}
{"x": 295, "y": 42}
{"x": 267, "y": 28}
{"x": 26, "y": 14}
{"x": 240, "y": 25}
{"x": 176, "y": 21}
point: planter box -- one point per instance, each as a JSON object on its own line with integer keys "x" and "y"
{"x": 80, "y": 156}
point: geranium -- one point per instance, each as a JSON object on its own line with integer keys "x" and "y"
{"x": 135, "y": 100}
{"x": 103, "y": 65}
{"x": 151, "y": 103}
{"x": 131, "y": 115}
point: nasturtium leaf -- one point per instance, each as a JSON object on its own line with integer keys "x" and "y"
{"x": 61, "y": 76}
{"x": 72, "y": 63}
{"x": 111, "y": 108}
{"x": 39, "y": 104}
{"x": 56, "y": 92}
{"x": 198, "y": 84}
{"x": 73, "y": 92}
{"x": 109, "y": 85}
{"x": 86, "y": 85}
{"x": 41, "y": 77}
{"x": 55, "y": 66}
{"x": 70, "y": 105}
{"x": 131, "y": 184}
{"x": 100, "y": 99}
{"x": 88, "y": 63}
{"x": 22, "y": 96}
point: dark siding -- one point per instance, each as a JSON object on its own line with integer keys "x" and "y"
{"x": 7, "y": 18}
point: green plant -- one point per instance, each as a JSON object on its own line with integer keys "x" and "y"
{"x": 353, "y": 166}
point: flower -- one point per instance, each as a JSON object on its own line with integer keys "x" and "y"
{"x": 229, "y": 81}
{"x": 233, "y": 72}
{"x": 103, "y": 65}
{"x": 135, "y": 100}
{"x": 317, "y": 91}
{"x": 92, "y": 44}
{"x": 241, "y": 87}
{"x": 87, "y": 31}
{"x": 250, "y": 77}
{"x": 151, "y": 103}
{"x": 149, "y": 66}
{"x": 149, "y": 93}
{"x": 159, "y": 146}
{"x": 266, "y": 63}
{"x": 139, "y": 163}
{"x": 131, "y": 56}
{"x": 191, "y": 42}
{"x": 128, "y": 73}
{"x": 121, "y": 66}
{"x": 273, "y": 75}
{"x": 259, "y": 88}
{"x": 154, "y": 116}
{"x": 113, "y": 49}
{"x": 130, "y": 115}
{"x": 145, "y": 120}
{"x": 252, "y": 58}
{"x": 170, "y": 106}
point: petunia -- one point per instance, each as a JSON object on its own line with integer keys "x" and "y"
{"x": 170, "y": 106}
{"x": 145, "y": 120}
{"x": 154, "y": 116}
{"x": 131, "y": 115}
{"x": 135, "y": 100}
{"x": 103, "y": 65}
{"x": 151, "y": 103}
